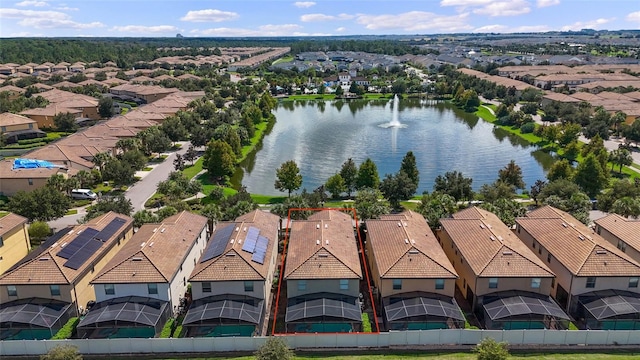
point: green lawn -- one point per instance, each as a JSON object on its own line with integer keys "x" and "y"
{"x": 260, "y": 129}
{"x": 448, "y": 356}
{"x": 192, "y": 171}
{"x": 283, "y": 59}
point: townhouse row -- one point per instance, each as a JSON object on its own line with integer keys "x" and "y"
{"x": 547, "y": 271}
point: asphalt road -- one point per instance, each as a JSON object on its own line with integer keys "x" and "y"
{"x": 138, "y": 193}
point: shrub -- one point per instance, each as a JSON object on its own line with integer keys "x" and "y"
{"x": 528, "y": 128}
{"x": 177, "y": 332}
{"x": 167, "y": 329}
{"x": 67, "y": 330}
{"x": 275, "y": 348}
{"x": 62, "y": 352}
{"x": 39, "y": 230}
{"x": 489, "y": 349}
{"x": 366, "y": 324}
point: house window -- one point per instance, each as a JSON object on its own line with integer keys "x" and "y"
{"x": 493, "y": 283}
{"x": 344, "y": 284}
{"x": 633, "y": 282}
{"x": 591, "y": 282}
{"x": 152, "y": 289}
{"x": 534, "y": 244}
{"x": 302, "y": 285}
{"x": 535, "y": 283}
{"x": 206, "y": 287}
{"x": 30, "y": 181}
{"x": 439, "y": 284}
{"x": 397, "y": 284}
{"x": 540, "y": 250}
{"x": 1, "y": 241}
{"x": 12, "y": 291}
{"x": 553, "y": 282}
{"x": 622, "y": 246}
{"x": 3, "y": 129}
{"x": 30, "y": 126}
{"x": 248, "y": 286}
{"x": 184, "y": 281}
{"x": 55, "y": 290}
{"x": 549, "y": 257}
{"x": 109, "y": 289}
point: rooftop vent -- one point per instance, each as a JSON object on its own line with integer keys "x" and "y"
{"x": 326, "y": 242}
{"x": 326, "y": 226}
{"x": 238, "y": 228}
{"x": 317, "y": 242}
{"x": 413, "y": 251}
{"x": 405, "y": 224}
{"x": 500, "y": 238}
{"x": 232, "y": 240}
{"x": 230, "y": 254}
{"x": 581, "y": 237}
{"x": 245, "y": 229}
{"x": 413, "y": 241}
{"x": 507, "y": 253}
{"x": 493, "y": 238}
{"x": 151, "y": 244}
{"x": 155, "y": 229}
{"x": 481, "y": 226}
{"x": 317, "y": 226}
{"x": 399, "y": 225}
{"x": 406, "y": 241}
{"x": 564, "y": 224}
{"x": 143, "y": 244}
{"x": 44, "y": 258}
{"x": 136, "y": 259}
{"x": 323, "y": 255}
{"x": 601, "y": 252}
{"x": 162, "y": 230}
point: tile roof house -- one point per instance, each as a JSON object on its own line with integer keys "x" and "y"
{"x": 496, "y": 268}
{"x": 408, "y": 268}
{"x": 53, "y": 280}
{"x": 622, "y": 233}
{"x": 148, "y": 273}
{"x": 323, "y": 273}
{"x": 591, "y": 272}
{"x": 236, "y": 271}
{"x": 14, "y": 180}
{"x": 14, "y": 240}
{"x": 14, "y": 127}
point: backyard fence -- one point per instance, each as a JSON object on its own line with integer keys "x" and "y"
{"x": 403, "y": 339}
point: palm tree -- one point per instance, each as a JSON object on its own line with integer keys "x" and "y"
{"x": 627, "y": 206}
{"x": 57, "y": 182}
{"x": 621, "y": 157}
{"x": 618, "y": 119}
{"x": 100, "y": 159}
{"x": 70, "y": 184}
{"x": 213, "y": 213}
{"x": 84, "y": 178}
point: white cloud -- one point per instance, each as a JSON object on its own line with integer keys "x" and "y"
{"x": 264, "y": 30}
{"x": 633, "y": 17}
{"x": 22, "y": 34}
{"x": 416, "y": 21}
{"x": 67, "y": 8}
{"x": 45, "y": 19}
{"x": 141, "y": 29}
{"x": 545, "y": 3}
{"x": 323, "y": 17}
{"x": 341, "y": 29}
{"x": 209, "y": 15}
{"x": 491, "y": 28}
{"x": 33, "y": 3}
{"x": 490, "y": 7}
{"x": 304, "y": 4}
{"x": 504, "y": 8}
{"x": 593, "y": 24}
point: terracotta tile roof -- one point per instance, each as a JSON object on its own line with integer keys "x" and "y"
{"x": 8, "y": 172}
{"x": 12, "y": 89}
{"x": 10, "y": 222}
{"x": 48, "y": 268}
{"x": 156, "y": 252}
{"x": 404, "y": 247}
{"x": 9, "y": 119}
{"x": 490, "y": 247}
{"x": 577, "y": 247}
{"x": 51, "y": 110}
{"x": 66, "y": 84}
{"x": 234, "y": 263}
{"x": 323, "y": 249}
{"x": 624, "y": 229}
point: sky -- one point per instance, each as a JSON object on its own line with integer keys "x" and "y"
{"x": 246, "y": 18}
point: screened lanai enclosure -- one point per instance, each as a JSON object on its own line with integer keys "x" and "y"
{"x": 422, "y": 311}
{"x": 224, "y": 315}
{"x": 323, "y": 314}
{"x": 33, "y": 319}
{"x": 517, "y": 310}
{"x": 610, "y": 310}
{"x": 125, "y": 317}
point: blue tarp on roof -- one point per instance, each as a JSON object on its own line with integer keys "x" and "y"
{"x": 32, "y": 164}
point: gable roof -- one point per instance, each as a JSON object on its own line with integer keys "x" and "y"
{"x": 9, "y": 119}
{"x": 156, "y": 252}
{"x": 490, "y": 247}
{"x": 577, "y": 247}
{"x": 404, "y": 247}
{"x": 48, "y": 268}
{"x": 624, "y": 229}
{"x": 323, "y": 247}
{"x": 10, "y": 222}
{"x": 235, "y": 264}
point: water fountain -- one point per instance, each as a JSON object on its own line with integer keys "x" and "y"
{"x": 395, "y": 121}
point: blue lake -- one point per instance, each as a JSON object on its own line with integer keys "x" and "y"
{"x": 320, "y": 136}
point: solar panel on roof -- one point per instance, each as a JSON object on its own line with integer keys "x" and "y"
{"x": 251, "y": 239}
{"x": 77, "y": 243}
{"x": 82, "y": 255}
{"x": 218, "y": 243}
{"x": 110, "y": 229}
{"x": 258, "y": 257}
{"x": 262, "y": 243}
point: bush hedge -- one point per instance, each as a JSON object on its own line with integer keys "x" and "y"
{"x": 528, "y": 128}
{"x": 366, "y": 324}
{"x": 167, "y": 329}
{"x": 67, "y": 330}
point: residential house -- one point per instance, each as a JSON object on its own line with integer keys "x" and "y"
{"x": 15, "y": 178}
{"x": 14, "y": 91}
{"x": 596, "y": 282}
{"x": 14, "y": 240}
{"x": 15, "y": 127}
{"x": 414, "y": 280}
{"x": 497, "y": 270}
{"x": 146, "y": 281}
{"x": 236, "y": 271}
{"x": 622, "y": 233}
{"x": 51, "y": 284}
{"x": 322, "y": 274}
{"x": 44, "y": 116}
